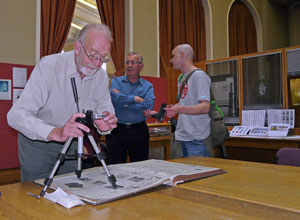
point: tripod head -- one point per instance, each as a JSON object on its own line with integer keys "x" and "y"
{"x": 87, "y": 120}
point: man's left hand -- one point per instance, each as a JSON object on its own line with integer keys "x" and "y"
{"x": 107, "y": 123}
{"x": 172, "y": 110}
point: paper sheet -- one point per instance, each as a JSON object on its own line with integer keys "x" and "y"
{"x": 281, "y": 116}
{"x": 62, "y": 198}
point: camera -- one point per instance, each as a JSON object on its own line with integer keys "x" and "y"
{"x": 89, "y": 117}
{"x": 87, "y": 120}
{"x": 161, "y": 114}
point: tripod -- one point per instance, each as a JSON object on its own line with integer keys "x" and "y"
{"x": 48, "y": 181}
{"x": 100, "y": 156}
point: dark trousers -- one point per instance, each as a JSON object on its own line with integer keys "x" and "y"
{"x": 132, "y": 140}
{"x": 37, "y": 158}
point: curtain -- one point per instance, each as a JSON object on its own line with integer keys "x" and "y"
{"x": 56, "y": 18}
{"x": 181, "y": 21}
{"x": 112, "y": 13}
{"x": 242, "y": 32}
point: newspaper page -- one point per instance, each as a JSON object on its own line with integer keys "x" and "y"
{"x": 94, "y": 188}
{"x": 281, "y": 116}
{"x": 253, "y": 118}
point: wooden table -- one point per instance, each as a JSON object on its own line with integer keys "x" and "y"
{"x": 258, "y": 149}
{"x": 247, "y": 191}
{"x": 161, "y": 141}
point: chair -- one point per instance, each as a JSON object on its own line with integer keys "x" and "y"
{"x": 288, "y": 156}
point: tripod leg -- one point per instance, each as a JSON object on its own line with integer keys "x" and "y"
{"x": 48, "y": 181}
{"x": 79, "y": 157}
{"x": 111, "y": 178}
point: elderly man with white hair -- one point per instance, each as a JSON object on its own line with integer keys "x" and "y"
{"x": 45, "y": 114}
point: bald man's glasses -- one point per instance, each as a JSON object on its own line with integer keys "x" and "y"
{"x": 102, "y": 59}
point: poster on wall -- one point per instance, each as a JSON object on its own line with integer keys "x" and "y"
{"x": 19, "y": 77}
{"x": 5, "y": 89}
{"x": 16, "y": 94}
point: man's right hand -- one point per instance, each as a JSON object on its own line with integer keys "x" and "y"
{"x": 70, "y": 129}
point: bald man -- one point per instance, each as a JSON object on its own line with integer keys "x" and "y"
{"x": 193, "y": 125}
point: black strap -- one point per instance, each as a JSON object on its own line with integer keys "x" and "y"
{"x": 212, "y": 97}
{"x": 185, "y": 81}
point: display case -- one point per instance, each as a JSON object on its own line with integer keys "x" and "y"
{"x": 224, "y": 84}
{"x": 293, "y": 80}
{"x": 262, "y": 81}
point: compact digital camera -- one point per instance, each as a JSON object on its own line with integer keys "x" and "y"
{"x": 89, "y": 118}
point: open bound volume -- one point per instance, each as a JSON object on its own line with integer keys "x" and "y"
{"x": 94, "y": 188}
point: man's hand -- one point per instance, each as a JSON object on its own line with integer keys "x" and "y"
{"x": 107, "y": 123}
{"x": 116, "y": 91}
{"x": 172, "y": 110}
{"x": 138, "y": 99}
{"x": 70, "y": 129}
{"x": 149, "y": 113}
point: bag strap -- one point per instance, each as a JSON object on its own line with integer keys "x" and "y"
{"x": 213, "y": 102}
{"x": 212, "y": 97}
{"x": 185, "y": 81}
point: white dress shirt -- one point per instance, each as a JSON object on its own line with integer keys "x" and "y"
{"x": 47, "y": 100}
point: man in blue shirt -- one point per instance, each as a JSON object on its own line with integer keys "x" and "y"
{"x": 131, "y": 96}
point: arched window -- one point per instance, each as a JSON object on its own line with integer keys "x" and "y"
{"x": 242, "y": 31}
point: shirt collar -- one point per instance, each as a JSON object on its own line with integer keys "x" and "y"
{"x": 125, "y": 79}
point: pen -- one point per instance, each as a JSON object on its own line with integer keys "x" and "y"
{"x": 33, "y": 195}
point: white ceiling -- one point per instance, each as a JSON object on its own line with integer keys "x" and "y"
{"x": 83, "y": 15}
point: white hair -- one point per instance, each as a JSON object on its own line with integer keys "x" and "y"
{"x": 101, "y": 27}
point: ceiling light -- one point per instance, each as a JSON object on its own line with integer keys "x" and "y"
{"x": 88, "y": 4}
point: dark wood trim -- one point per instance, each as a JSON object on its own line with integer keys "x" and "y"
{"x": 8, "y": 176}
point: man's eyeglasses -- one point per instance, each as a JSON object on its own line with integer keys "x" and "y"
{"x": 132, "y": 62}
{"x": 102, "y": 59}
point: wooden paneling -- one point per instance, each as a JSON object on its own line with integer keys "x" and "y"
{"x": 9, "y": 176}
{"x": 258, "y": 149}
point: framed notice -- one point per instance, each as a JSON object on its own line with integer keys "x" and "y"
{"x": 5, "y": 89}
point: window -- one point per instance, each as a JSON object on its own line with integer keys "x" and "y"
{"x": 85, "y": 12}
